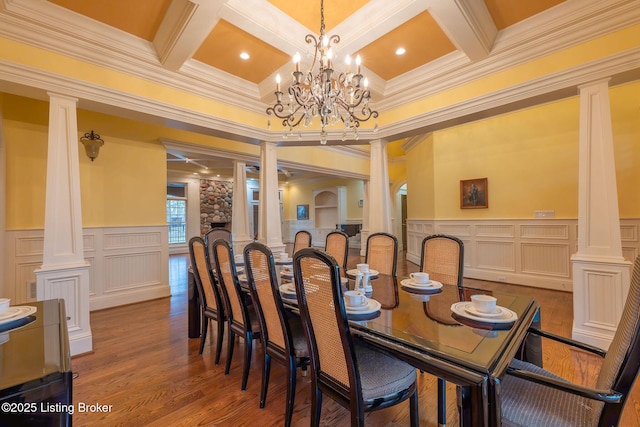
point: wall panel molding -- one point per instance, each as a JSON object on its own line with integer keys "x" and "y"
{"x": 128, "y": 264}
{"x": 528, "y": 252}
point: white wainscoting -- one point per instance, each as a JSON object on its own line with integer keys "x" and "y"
{"x": 128, "y": 264}
{"x": 533, "y": 252}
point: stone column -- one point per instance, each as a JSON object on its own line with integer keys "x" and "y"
{"x": 364, "y": 233}
{"x": 64, "y": 272}
{"x": 269, "y": 222}
{"x": 379, "y": 194}
{"x": 600, "y": 273}
{"x": 240, "y": 208}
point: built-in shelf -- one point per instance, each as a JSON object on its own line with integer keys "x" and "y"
{"x": 329, "y": 207}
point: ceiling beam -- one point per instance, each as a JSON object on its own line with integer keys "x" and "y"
{"x": 468, "y": 25}
{"x": 185, "y": 26}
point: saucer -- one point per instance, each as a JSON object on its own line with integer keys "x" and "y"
{"x": 288, "y": 288}
{"x": 460, "y": 309}
{"x": 430, "y": 285}
{"x": 16, "y": 313}
{"x": 371, "y": 307}
{"x": 357, "y": 308}
{"x": 471, "y": 309}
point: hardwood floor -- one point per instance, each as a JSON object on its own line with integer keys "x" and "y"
{"x": 149, "y": 371}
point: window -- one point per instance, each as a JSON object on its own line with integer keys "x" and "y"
{"x": 177, "y": 213}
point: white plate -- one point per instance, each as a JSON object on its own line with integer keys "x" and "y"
{"x": 459, "y": 308}
{"x": 354, "y": 272}
{"x": 431, "y": 285}
{"x": 288, "y": 288}
{"x": 16, "y": 312}
{"x": 371, "y": 307}
{"x": 471, "y": 309}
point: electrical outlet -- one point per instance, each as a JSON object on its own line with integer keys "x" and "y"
{"x": 544, "y": 214}
{"x": 33, "y": 290}
{"x": 502, "y": 279}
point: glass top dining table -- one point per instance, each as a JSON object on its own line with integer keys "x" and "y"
{"x": 421, "y": 328}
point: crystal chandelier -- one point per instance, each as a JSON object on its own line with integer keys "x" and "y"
{"x": 332, "y": 97}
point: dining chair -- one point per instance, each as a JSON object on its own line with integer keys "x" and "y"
{"x": 382, "y": 253}
{"x": 357, "y": 376}
{"x": 282, "y": 335}
{"x": 443, "y": 258}
{"x": 211, "y": 305}
{"x": 211, "y": 236}
{"x": 241, "y": 318}
{"x": 301, "y": 240}
{"x": 531, "y": 395}
{"x": 337, "y": 245}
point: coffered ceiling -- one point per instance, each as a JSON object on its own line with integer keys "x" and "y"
{"x": 196, "y": 45}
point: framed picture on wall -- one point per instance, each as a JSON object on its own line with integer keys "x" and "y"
{"x": 303, "y": 211}
{"x": 474, "y": 194}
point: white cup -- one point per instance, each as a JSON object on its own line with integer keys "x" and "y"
{"x": 4, "y": 304}
{"x": 355, "y": 298}
{"x": 284, "y": 256}
{"x": 362, "y": 268}
{"x": 484, "y": 303}
{"x": 420, "y": 277}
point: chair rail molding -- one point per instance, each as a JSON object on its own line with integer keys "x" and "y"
{"x": 127, "y": 264}
{"x": 528, "y": 252}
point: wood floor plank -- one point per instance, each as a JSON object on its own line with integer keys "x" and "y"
{"x": 146, "y": 367}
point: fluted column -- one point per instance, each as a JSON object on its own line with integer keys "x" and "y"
{"x": 64, "y": 272}
{"x": 600, "y": 273}
{"x": 378, "y": 192}
{"x": 269, "y": 222}
{"x": 240, "y": 208}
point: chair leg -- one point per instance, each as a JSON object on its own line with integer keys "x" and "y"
{"x": 203, "y": 337}
{"x": 442, "y": 402}
{"x": 248, "y": 343}
{"x": 291, "y": 391}
{"x": 219, "y": 340}
{"x": 230, "y": 344}
{"x": 413, "y": 408}
{"x": 316, "y": 407}
{"x": 266, "y": 369}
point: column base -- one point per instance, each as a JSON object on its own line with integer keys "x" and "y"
{"x": 71, "y": 283}
{"x": 600, "y": 290}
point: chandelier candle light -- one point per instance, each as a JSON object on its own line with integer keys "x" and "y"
{"x": 332, "y": 97}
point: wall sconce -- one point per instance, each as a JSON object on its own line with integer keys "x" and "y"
{"x": 92, "y": 144}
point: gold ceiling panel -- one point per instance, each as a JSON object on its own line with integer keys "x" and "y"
{"x": 423, "y": 40}
{"x": 307, "y": 12}
{"x": 509, "y": 12}
{"x": 223, "y": 46}
{"x": 141, "y": 18}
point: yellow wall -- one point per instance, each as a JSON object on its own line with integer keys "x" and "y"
{"x": 530, "y": 158}
{"x": 302, "y": 194}
{"x": 124, "y": 186}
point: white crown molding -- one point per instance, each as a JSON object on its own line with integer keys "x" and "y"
{"x": 413, "y": 141}
{"x": 171, "y": 144}
{"x": 545, "y": 89}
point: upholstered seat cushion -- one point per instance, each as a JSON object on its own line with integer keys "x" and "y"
{"x": 381, "y": 375}
{"x": 526, "y": 404}
{"x": 300, "y": 348}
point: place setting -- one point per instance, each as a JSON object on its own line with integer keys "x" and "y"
{"x": 420, "y": 283}
{"x": 12, "y": 317}
{"x": 482, "y": 312}
{"x": 358, "y": 306}
{"x": 288, "y": 292}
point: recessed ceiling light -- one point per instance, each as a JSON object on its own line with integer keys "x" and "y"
{"x": 244, "y": 55}
{"x": 400, "y": 51}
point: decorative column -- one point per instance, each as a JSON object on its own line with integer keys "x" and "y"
{"x": 64, "y": 272}
{"x": 600, "y": 273}
{"x": 378, "y": 193}
{"x": 269, "y": 222}
{"x": 364, "y": 232}
{"x": 240, "y": 208}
